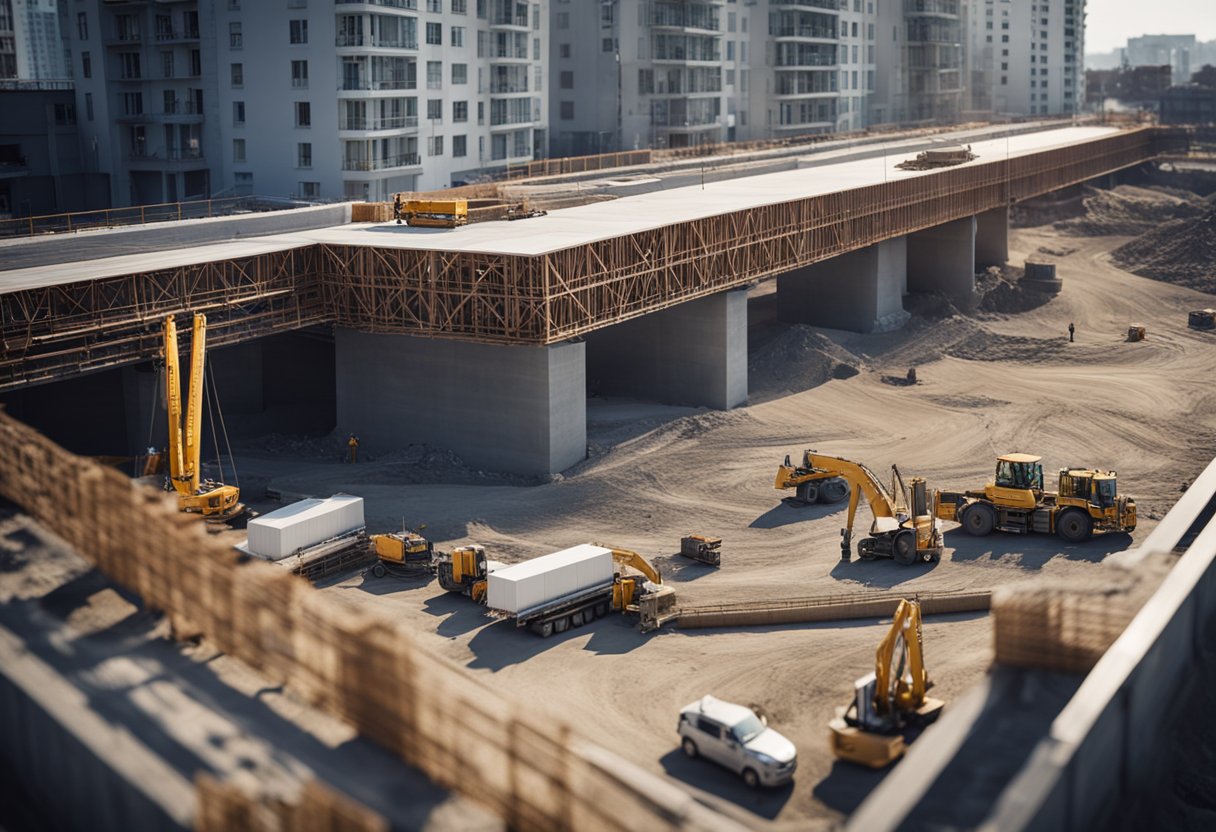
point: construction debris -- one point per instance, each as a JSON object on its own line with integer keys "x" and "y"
{"x": 702, "y": 548}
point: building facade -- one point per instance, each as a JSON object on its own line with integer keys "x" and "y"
{"x": 32, "y": 47}
{"x": 1179, "y": 52}
{"x": 1025, "y": 58}
{"x": 350, "y": 99}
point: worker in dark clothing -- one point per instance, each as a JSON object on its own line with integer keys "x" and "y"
{"x": 1071, "y": 330}
{"x": 353, "y": 444}
{"x": 397, "y": 208}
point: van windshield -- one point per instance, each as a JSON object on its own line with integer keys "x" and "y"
{"x": 748, "y": 729}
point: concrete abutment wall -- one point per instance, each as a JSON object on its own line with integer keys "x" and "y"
{"x": 520, "y": 409}
{"x": 861, "y": 291}
{"x": 691, "y": 354}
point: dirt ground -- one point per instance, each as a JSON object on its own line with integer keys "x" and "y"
{"x": 988, "y": 383}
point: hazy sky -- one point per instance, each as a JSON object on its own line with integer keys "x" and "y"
{"x": 1110, "y": 23}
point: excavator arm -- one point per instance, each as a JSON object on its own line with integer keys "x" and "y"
{"x": 861, "y": 480}
{"x": 633, "y": 560}
{"x": 900, "y": 681}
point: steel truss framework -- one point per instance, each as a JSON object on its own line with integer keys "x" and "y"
{"x": 510, "y": 299}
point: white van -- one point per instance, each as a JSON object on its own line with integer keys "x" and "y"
{"x": 738, "y": 739}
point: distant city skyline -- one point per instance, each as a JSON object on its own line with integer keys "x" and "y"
{"x": 1109, "y": 23}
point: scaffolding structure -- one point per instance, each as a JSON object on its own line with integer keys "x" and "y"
{"x": 58, "y": 331}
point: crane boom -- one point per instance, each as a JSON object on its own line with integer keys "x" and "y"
{"x": 173, "y": 399}
{"x": 194, "y": 402}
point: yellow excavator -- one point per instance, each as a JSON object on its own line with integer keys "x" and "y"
{"x": 1086, "y": 501}
{"x": 890, "y": 703}
{"x": 215, "y": 501}
{"x": 811, "y": 484}
{"x": 465, "y": 570}
{"x": 904, "y": 526}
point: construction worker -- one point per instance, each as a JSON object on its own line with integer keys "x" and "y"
{"x": 353, "y": 444}
{"x": 1071, "y": 330}
{"x": 397, "y": 208}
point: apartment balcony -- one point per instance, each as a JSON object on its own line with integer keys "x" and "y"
{"x": 364, "y": 126}
{"x": 361, "y": 41}
{"x": 932, "y": 8}
{"x": 399, "y": 162}
{"x": 797, "y": 33}
{"x": 830, "y": 6}
{"x": 807, "y": 126}
{"x": 508, "y": 88}
{"x": 161, "y": 118}
{"x": 376, "y": 85}
{"x": 169, "y": 38}
{"x": 506, "y": 56}
{"x": 169, "y": 159}
{"x": 411, "y": 5}
{"x": 682, "y": 56}
{"x": 127, "y": 39}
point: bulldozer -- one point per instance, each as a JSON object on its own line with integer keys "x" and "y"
{"x": 904, "y": 527}
{"x": 433, "y": 213}
{"x": 811, "y": 484}
{"x": 1086, "y": 501}
{"x": 889, "y": 705}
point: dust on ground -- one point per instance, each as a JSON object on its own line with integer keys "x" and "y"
{"x": 990, "y": 380}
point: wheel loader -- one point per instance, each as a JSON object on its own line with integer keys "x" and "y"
{"x": 1085, "y": 502}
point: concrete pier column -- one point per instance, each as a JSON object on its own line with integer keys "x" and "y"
{"x": 942, "y": 258}
{"x": 518, "y": 409}
{"x": 691, "y": 354}
{"x": 992, "y": 238}
{"x": 861, "y": 291}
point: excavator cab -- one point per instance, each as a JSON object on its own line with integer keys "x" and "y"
{"x": 1018, "y": 482}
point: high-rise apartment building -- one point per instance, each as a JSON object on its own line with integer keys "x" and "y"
{"x": 31, "y": 46}
{"x": 1176, "y": 51}
{"x": 1025, "y": 58}
{"x": 329, "y": 99}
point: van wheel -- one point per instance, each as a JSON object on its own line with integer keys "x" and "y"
{"x": 750, "y": 778}
{"x": 690, "y": 748}
{"x": 378, "y": 570}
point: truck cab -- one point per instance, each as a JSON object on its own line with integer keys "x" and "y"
{"x": 1018, "y": 482}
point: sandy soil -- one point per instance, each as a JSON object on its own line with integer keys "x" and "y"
{"x": 989, "y": 383}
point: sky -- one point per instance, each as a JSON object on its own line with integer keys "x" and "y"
{"x": 1109, "y": 23}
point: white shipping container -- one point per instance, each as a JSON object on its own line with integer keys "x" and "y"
{"x": 306, "y": 523}
{"x": 538, "y": 581}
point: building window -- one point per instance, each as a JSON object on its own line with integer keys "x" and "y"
{"x": 434, "y": 109}
{"x": 238, "y": 75}
{"x": 567, "y": 111}
{"x": 88, "y": 105}
{"x": 460, "y": 145}
{"x": 435, "y": 6}
{"x": 434, "y": 33}
{"x": 234, "y": 35}
{"x": 563, "y": 50}
{"x": 82, "y": 25}
{"x": 434, "y": 75}
{"x": 460, "y": 6}
{"x": 310, "y": 190}
{"x": 434, "y": 146}
{"x": 298, "y": 30}
{"x": 563, "y": 20}
{"x": 238, "y": 150}
{"x": 304, "y": 155}
{"x": 297, "y": 4}
{"x": 457, "y": 33}
{"x": 65, "y": 114}
{"x": 166, "y": 64}
{"x": 303, "y": 114}
{"x": 234, "y": 5}
{"x": 566, "y": 80}
{"x": 460, "y": 111}
{"x": 238, "y": 113}
{"x": 460, "y": 73}
{"x": 130, "y": 65}
{"x": 86, "y": 65}
{"x": 299, "y": 73}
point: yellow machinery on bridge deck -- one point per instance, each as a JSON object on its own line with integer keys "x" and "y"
{"x": 435, "y": 213}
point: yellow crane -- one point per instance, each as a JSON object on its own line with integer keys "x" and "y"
{"x": 904, "y": 526}
{"x": 215, "y": 501}
{"x": 889, "y": 703}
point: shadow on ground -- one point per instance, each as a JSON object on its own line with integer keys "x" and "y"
{"x": 1032, "y": 551}
{"x": 788, "y": 511}
{"x": 502, "y": 644}
{"x": 712, "y": 778}
{"x": 881, "y": 573}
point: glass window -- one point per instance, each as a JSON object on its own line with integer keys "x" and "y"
{"x": 303, "y": 114}
{"x": 298, "y": 30}
{"x": 304, "y": 155}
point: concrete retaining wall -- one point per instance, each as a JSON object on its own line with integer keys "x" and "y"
{"x": 829, "y": 608}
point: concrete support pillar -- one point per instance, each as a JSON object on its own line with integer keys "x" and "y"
{"x": 522, "y": 410}
{"x": 238, "y": 376}
{"x": 144, "y": 408}
{"x": 992, "y": 238}
{"x": 861, "y": 291}
{"x": 942, "y": 259}
{"x": 691, "y": 354}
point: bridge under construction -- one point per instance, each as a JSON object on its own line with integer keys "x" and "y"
{"x": 642, "y": 292}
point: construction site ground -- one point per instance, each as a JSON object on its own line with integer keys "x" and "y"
{"x": 989, "y": 381}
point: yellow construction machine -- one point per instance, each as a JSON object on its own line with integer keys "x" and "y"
{"x": 1087, "y": 501}
{"x": 215, "y": 501}
{"x": 434, "y": 213}
{"x": 890, "y": 704}
{"x": 464, "y": 570}
{"x": 406, "y": 549}
{"x": 811, "y": 484}
{"x": 904, "y": 527}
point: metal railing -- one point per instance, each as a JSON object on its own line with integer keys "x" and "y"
{"x": 401, "y": 160}
{"x": 134, "y": 215}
